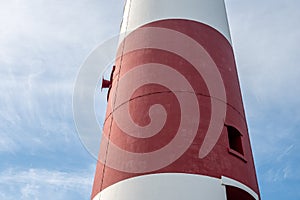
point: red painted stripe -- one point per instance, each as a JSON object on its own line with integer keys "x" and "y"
{"x": 219, "y": 162}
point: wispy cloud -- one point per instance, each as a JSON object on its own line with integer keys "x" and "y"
{"x": 43, "y": 43}
{"x": 7, "y": 144}
{"x": 264, "y": 35}
{"x": 42, "y": 183}
{"x": 264, "y": 38}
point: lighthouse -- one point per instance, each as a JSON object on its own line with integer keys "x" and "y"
{"x": 175, "y": 125}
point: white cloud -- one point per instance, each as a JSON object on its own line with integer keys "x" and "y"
{"x": 282, "y": 174}
{"x": 45, "y": 184}
{"x": 264, "y": 35}
{"x": 43, "y": 43}
{"x": 7, "y": 144}
{"x": 33, "y": 113}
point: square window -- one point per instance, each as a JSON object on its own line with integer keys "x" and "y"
{"x": 235, "y": 140}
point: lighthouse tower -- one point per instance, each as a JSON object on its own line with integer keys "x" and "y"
{"x": 175, "y": 126}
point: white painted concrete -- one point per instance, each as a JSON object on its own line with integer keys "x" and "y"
{"x": 211, "y": 12}
{"x": 164, "y": 187}
{"x": 175, "y": 186}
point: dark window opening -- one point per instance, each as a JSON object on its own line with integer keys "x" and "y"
{"x": 235, "y": 140}
{"x": 234, "y": 193}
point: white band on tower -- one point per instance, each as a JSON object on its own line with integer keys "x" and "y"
{"x": 141, "y": 12}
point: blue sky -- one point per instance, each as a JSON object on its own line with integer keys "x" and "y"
{"x": 43, "y": 43}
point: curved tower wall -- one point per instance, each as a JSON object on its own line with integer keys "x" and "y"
{"x": 175, "y": 125}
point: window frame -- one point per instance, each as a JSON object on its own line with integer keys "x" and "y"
{"x": 235, "y": 138}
